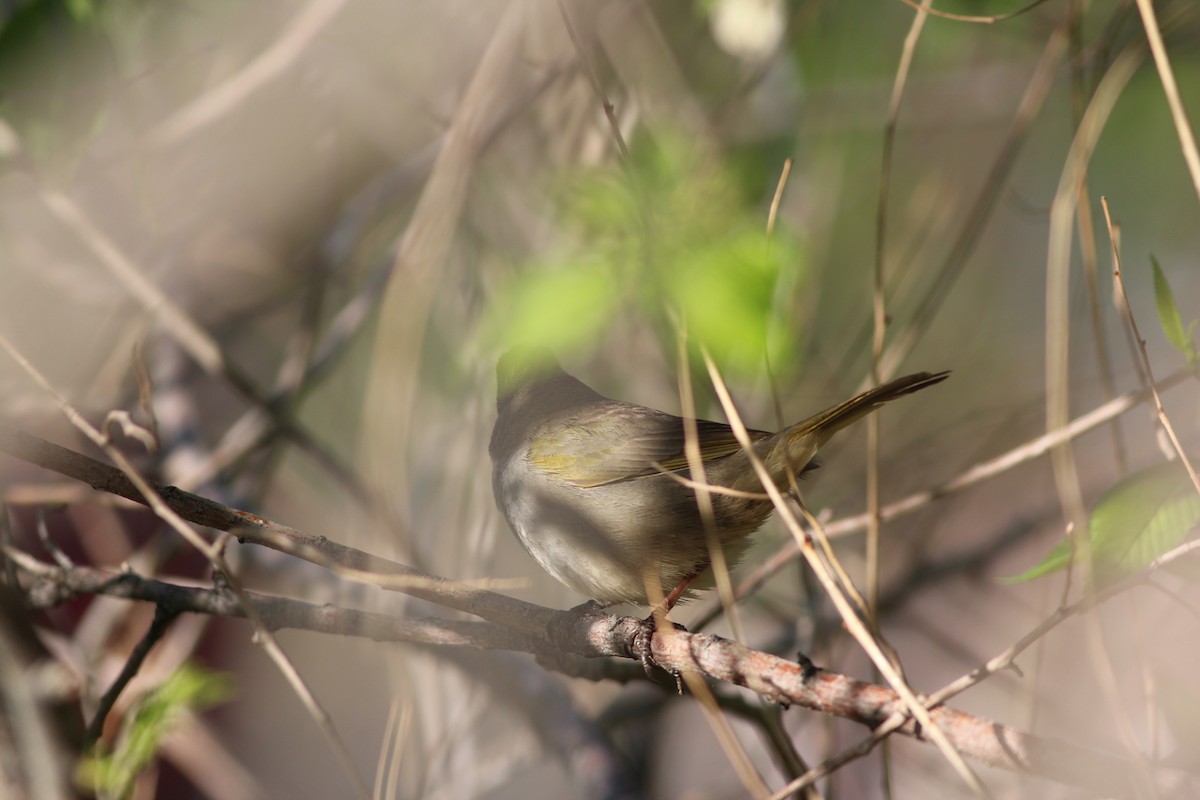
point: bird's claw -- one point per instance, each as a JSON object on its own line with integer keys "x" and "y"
{"x": 640, "y": 646}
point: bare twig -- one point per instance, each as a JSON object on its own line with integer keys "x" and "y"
{"x": 879, "y": 304}
{"x": 1062, "y": 212}
{"x": 252, "y": 528}
{"x": 1021, "y": 454}
{"x": 597, "y": 89}
{"x": 1187, "y": 139}
{"x": 212, "y": 552}
{"x": 691, "y": 447}
{"x": 777, "y": 198}
{"x": 163, "y": 616}
{"x": 853, "y": 624}
{"x": 1163, "y": 419}
{"x": 1080, "y": 92}
{"x": 43, "y": 532}
{"x": 54, "y": 585}
{"x": 1000, "y": 662}
{"x": 266, "y": 67}
{"x": 1057, "y": 372}
{"x": 982, "y": 20}
{"x": 968, "y": 237}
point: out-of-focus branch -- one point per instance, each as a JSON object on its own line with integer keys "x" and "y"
{"x": 36, "y": 765}
{"x": 257, "y": 530}
{"x": 50, "y": 586}
{"x": 269, "y": 65}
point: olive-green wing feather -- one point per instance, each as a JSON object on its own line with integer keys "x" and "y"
{"x": 620, "y": 442}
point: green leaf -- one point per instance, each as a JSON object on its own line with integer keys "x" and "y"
{"x": 147, "y": 722}
{"x": 1056, "y": 560}
{"x": 563, "y": 307}
{"x": 1136, "y": 521}
{"x": 1141, "y": 518}
{"x": 1169, "y": 317}
{"x": 725, "y": 292}
{"x": 669, "y": 237}
{"x": 82, "y": 11}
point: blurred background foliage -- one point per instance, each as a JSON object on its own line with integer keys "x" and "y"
{"x": 362, "y": 204}
{"x": 673, "y": 241}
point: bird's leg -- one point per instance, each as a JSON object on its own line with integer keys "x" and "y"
{"x": 678, "y": 591}
{"x": 650, "y": 626}
{"x": 669, "y": 603}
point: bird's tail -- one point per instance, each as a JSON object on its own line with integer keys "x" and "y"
{"x": 794, "y": 448}
{"x": 823, "y": 425}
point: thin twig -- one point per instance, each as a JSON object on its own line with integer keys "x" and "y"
{"x": 1021, "y": 454}
{"x": 1058, "y": 257}
{"x": 1187, "y": 139}
{"x": 777, "y": 198}
{"x": 43, "y": 532}
{"x": 980, "y": 211}
{"x": 257, "y": 530}
{"x": 1000, "y": 662}
{"x": 211, "y": 552}
{"x": 1057, "y": 372}
{"x": 853, "y": 624}
{"x": 691, "y": 448}
{"x": 269, "y": 65}
{"x": 982, "y": 20}
{"x": 879, "y": 304}
{"x": 164, "y": 615}
{"x": 1163, "y": 419}
{"x": 597, "y": 89}
{"x": 1087, "y": 238}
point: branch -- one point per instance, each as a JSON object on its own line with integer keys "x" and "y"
{"x": 553, "y": 636}
{"x": 257, "y": 530}
{"x": 592, "y": 635}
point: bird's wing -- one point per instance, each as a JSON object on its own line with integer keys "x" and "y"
{"x": 621, "y": 442}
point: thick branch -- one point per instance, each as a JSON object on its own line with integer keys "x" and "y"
{"x": 520, "y": 626}
{"x": 597, "y": 635}
{"x": 788, "y": 682}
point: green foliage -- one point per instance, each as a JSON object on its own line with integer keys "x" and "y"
{"x": 670, "y": 239}
{"x": 725, "y": 291}
{"x": 1137, "y": 520}
{"x": 151, "y": 718}
{"x": 567, "y": 305}
{"x": 1146, "y": 514}
{"x": 82, "y": 11}
{"x": 1170, "y": 318}
{"x": 42, "y": 45}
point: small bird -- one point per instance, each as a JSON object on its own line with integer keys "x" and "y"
{"x": 591, "y": 486}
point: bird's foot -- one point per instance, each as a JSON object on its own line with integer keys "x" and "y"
{"x": 640, "y": 644}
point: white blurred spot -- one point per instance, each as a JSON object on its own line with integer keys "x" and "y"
{"x": 748, "y": 29}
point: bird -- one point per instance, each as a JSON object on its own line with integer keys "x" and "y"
{"x": 599, "y": 492}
